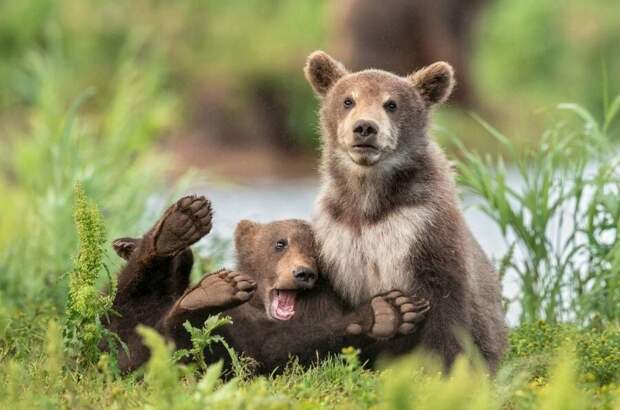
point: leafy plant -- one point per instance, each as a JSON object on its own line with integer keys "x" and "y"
{"x": 557, "y": 212}
{"x": 598, "y": 282}
{"x": 597, "y": 351}
{"x": 84, "y": 298}
{"x": 162, "y": 375}
{"x": 86, "y": 306}
{"x": 562, "y": 392}
{"x": 204, "y": 338}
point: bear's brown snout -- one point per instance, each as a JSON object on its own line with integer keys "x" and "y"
{"x": 305, "y": 277}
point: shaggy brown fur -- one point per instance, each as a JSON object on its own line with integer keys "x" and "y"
{"x": 388, "y": 216}
{"x": 274, "y": 259}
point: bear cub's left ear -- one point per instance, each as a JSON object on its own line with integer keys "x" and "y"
{"x": 434, "y": 82}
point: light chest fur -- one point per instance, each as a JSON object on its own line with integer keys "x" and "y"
{"x": 373, "y": 259}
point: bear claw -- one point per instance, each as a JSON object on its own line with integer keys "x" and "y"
{"x": 182, "y": 225}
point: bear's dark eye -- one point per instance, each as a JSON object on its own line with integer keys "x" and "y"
{"x": 281, "y": 244}
{"x": 390, "y": 106}
{"x": 348, "y": 102}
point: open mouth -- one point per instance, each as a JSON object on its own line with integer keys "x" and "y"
{"x": 283, "y": 304}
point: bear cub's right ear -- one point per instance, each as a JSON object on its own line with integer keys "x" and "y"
{"x": 244, "y": 232}
{"x": 322, "y": 72}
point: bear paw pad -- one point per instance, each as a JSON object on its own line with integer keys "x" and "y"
{"x": 182, "y": 225}
{"x": 394, "y": 313}
{"x": 223, "y": 289}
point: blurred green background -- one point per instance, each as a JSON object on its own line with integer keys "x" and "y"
{"x": 233, "y": 69}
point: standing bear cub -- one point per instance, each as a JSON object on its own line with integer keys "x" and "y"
{"x": 388, "y": 216}
{"x": 279, "y": 304}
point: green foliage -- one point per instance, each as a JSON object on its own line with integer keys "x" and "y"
{"x": 161, "y": 375}
{"x": 417, "y": 382}
{"x": 532, "y": 53}
{"x": 599, "y": 282}
{"x": 336, "y": 382}
{"x": 599, "y": 355}
{"x": 193, "y": 38}
{"x": 84, "y": 298}
{"x": 203, "y": 338}
{"x": 532, "y": 346}
{"x": 558, "y": 213}
{"x": 414, "y": 382}
{"x": 549, "y": 45}
{"x": 560, "y": 393}
{"x": 54, "y": 352}
{"x": 535, "y": 339}
{"x": 105, "y": 151}
{"x": 86, "y": 306}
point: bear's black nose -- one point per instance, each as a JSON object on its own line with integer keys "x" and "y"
{"x": 305, "y": 277}
{"x": 365, "y": 129}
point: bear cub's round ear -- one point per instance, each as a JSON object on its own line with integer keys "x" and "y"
{"x": 434, "y": 82}
{"x": 322, "y": 72}
{"x": 244, "y": 232}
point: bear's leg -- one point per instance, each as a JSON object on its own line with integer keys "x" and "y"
{"x": 448, "y": 318}
{"x": 182, "y": 225}
{"x": 181, "y": 264}
{"x": 165, "y": 279}
{"x": 215, "y": 293}
{"x": 162, "y": 254}
{"x": 144, "y": 294}
{"x": 181, "y": 270}
{"x": 157, "y": 272}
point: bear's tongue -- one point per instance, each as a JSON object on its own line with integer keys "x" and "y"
{"x": 283, "y": 304}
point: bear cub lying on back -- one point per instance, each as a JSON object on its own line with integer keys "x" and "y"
{"x": 279, "y": 304}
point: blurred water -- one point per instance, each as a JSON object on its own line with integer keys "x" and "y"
{"x": 264, "y": 202}
{"x": 267, "y": 202}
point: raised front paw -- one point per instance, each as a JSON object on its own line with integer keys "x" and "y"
{"x": 391, "y": 314}
{"x": 182, "y": 225}
{"x": 223, "y": 289}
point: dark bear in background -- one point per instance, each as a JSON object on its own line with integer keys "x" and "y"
{"x": 290, "y": 310}
{"x": 399, "y": 35}
{"x": 388, "y": 215}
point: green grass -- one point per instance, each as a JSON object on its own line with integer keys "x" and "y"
{"x": 558, "y": 210}
{"x": 414, "y": 382}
